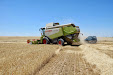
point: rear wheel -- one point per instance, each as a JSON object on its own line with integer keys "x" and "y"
{"x": 46, "y": 40}
{"x": 60, "y": 42}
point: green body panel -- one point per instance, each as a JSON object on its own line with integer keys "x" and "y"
{"x": 69, "y": 30}
{"x": 64, "y": 31}
{"x": 56, "y": 35}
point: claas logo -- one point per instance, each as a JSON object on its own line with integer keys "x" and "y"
{"x": 48, "y": 31}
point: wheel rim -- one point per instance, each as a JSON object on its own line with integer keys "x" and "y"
{"x": 59, "y": 42}
{"x": 28, "y": 41}
{"x": 44, "y": 41}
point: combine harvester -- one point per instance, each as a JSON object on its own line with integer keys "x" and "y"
{"x": 55, "y": 33}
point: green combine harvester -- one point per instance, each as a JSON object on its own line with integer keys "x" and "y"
{"x": 58, "y": 34}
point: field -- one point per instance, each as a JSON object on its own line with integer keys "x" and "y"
{"x": 19, "y": 58}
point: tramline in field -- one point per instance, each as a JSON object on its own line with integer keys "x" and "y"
{"x": 55, "y": 33}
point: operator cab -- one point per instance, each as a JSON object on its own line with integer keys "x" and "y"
{"x": 42, "y": 30}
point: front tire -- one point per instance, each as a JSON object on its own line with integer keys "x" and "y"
{"x": 46, "y": 40}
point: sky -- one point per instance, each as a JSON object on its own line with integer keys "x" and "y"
{"x": 26, "y": 17}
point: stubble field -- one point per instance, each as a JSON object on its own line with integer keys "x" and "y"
{"x": 19, "y": 58}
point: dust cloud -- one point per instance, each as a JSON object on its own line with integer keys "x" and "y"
{"x": 82, "y": 38}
